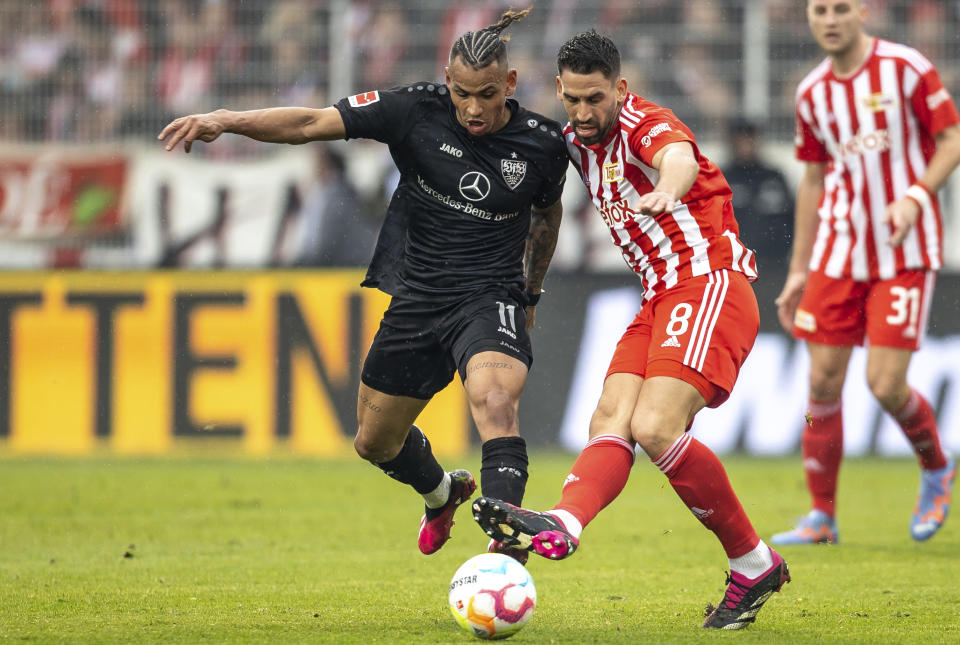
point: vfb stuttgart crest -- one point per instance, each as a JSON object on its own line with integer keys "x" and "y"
{"x": 513, "y": 171}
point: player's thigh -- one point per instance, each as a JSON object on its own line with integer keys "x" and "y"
{"x": 702, "y": 331}
{"x": 897, "y": 309}
{"x": 616, "y": 405}
{"x": 491, "y": 321}
{"x": 407, "y": 357}
{"x": 494, "y": 372}
{"x": 828, "y": 369}
{"x": 493, "y": 385}
{"x": 384, "y": 419}
{"x": 832, "y": 311}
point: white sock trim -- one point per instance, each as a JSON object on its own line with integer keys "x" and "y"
{"x": 672, "y": 454}
{"x": 571, "y": 523}
{"x": 616, "y": 440}
{"x": 754, "y": 563}
{"x": 439, "y": 495}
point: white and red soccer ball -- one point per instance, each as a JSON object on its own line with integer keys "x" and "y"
{"x": 492, "y": 596}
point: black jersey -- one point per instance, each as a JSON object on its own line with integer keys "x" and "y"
{"x": 460, "y": 215}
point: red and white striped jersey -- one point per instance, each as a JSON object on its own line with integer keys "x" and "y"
{"x": 698, "y": 237}
{"x": 875, "y": 130}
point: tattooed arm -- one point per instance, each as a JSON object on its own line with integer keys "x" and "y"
{"x": 541, "y": 242}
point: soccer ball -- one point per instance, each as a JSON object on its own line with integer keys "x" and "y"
{"x": 492, "y": 596}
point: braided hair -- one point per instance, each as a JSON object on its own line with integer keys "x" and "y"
{"x": 486, "y": 46}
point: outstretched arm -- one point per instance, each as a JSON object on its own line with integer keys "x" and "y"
{"x": 541, "y": 242}
{"x": 274, "y": 125}
{"x": 678, "y": 168}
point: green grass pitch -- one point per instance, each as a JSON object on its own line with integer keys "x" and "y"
{"x": 232, "y": 550}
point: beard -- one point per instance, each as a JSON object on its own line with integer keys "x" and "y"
{"x": 588, "y": 140}
{"x": 601, "y": 129}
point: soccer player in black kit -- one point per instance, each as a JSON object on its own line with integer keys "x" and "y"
{"x": 463, "y": 252}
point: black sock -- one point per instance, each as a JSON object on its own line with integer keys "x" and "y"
{"x": 503, "y": 469}
{"x": 415, "y": 464}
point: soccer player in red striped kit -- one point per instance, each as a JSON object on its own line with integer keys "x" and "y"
{"x": 879, "y": 135}
{"x": 669, "y": 211}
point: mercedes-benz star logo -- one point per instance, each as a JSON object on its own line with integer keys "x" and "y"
{"x": 474, "y": 186}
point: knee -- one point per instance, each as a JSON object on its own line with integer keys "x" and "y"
{"x": 826, "y": 384}
{"x": 364, "y": 447}
{"x": 499, "y": 409}
{"x": 655, "y": 432}
{"x": 372, "y": 447}
{"x": 607, "y": 419}
{"x": 890, "y": 391}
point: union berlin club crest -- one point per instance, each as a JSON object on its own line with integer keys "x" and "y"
{"x": 513, "y": 171}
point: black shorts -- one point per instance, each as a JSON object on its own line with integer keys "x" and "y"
{"x": 422, "y": 342}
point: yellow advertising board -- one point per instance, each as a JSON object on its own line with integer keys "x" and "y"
{"x": 141, "y": 362}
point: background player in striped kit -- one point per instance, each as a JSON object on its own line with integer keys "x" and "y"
{"x": 879, "y": 135}
{"x": 463, "y": 252}
{"x": 669, "y": 211}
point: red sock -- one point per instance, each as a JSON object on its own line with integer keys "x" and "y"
{"x": 597, "y": 477}
{"x": 919, "y": 424}
{"x": 702, "y": 483}
{"x": 822, "y": 445}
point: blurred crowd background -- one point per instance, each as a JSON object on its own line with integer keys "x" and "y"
{"x": 81, "y": 72}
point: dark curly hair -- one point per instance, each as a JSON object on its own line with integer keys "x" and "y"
{"x": 589, "y": 52}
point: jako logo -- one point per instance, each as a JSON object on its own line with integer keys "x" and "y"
{"x": 450, "y": 150}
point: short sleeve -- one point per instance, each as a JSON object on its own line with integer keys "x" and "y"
{"x": 930, "y": 100}
{"x": 552, "y": 187}
{"x": 656, "y": 131}
{"x": 807, "y": 142}
{"x": 381, "y": 115}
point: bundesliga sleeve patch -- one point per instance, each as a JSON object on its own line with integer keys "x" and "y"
{"x": 367, "y": 98}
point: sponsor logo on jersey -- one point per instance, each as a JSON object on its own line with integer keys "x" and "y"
{"x": 878, "y": 102}
{"x": 938, "y": 98}
{"x": 450, "y": 150}
{"x": 504, "y": 330}
{"x": 878, "y": 141}
{"x": 367, "y": 98}
{"x": 805, "y": 320}
{"x": 513, "y": 171}
{"x": 467, "y": 208}
{"x": 615, "y": 214}
{"x": 670, "y": 342}
{"x": 474, "y": 186}
{"x": 660, "y": 128}
{"x": 612, "y": 172}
